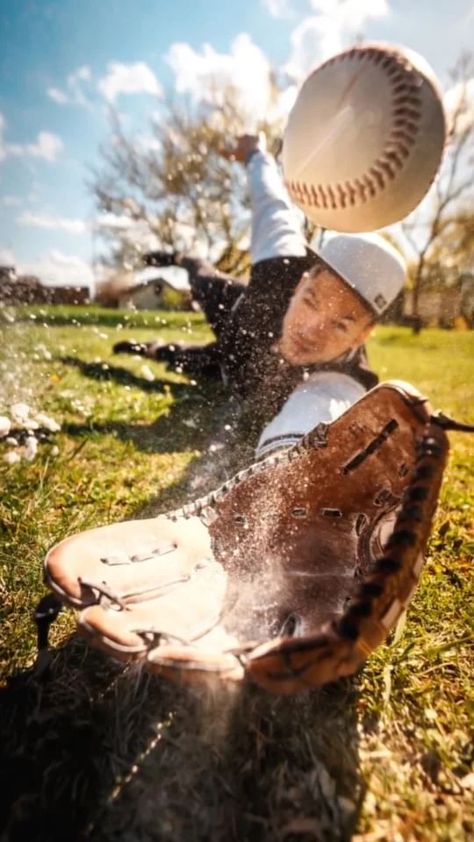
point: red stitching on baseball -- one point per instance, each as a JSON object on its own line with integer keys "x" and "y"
{"x": 399, "y": 147}
{"x": 332, "y": 198}
{"x": 401, "y": 112}
{"x": 360, "y": 186}
{"x": 323, "y": 195}
{"x": 342, "y": 195}
{"x": 352, "y": 193}
{"x": 394, "y": 157}
{"x": 385, "y": 166}
{"x": 378, "y": 177}
{"x": 402, "y": 88}
{"x": 370, "y": 186}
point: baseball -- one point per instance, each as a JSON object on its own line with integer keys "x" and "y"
{"x": 365, "y": 138}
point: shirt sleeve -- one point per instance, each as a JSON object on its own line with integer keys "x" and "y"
{"x": 320, "y": 399}
{"x": 277, "y": 226}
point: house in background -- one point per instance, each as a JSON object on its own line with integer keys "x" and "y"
{"x": 146, "y": 290}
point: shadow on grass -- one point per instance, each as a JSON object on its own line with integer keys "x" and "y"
{"x": 124, "y": 377}
{"x": 101, "y": 752}
{"x": 202, "y": 418}
{"x": 187, "y": 425}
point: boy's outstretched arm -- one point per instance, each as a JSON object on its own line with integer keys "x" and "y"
{"x": 276, "y": 227}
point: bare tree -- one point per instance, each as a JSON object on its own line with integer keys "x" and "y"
{"x": 428, "y": 232}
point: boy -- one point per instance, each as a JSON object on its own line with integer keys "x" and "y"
{"x": 301, "y": 322}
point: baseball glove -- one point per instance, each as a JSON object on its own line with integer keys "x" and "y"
{"x": 289, "y": 575}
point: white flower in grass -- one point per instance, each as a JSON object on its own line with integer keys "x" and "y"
{"x": 20, "y": 412}
{"x": 5, "y": 426}
{"x": 31, "y": 448}
{"x": 47, "y": 422}
{"x": 11, "y": 457}
{"x": 147, "y": 373}
{"x": 43, "y": 352}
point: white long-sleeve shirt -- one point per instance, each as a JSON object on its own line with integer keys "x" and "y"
{"x": 323, "y": 397}
{"x": 277, "y": 226}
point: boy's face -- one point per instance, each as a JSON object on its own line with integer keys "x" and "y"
{"x": 324, "y": 320}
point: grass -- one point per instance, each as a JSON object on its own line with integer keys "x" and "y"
{"x": 101, "y": 752}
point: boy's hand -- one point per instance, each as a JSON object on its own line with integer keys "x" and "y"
{"x": 244, "y": 147}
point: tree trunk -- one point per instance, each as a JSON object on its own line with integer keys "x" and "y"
{"x": 417, "y": 322}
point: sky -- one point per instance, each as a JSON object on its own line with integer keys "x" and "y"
{"x": 64, "y": 64}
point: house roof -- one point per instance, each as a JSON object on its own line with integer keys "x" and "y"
{"x": 175, "y": 276}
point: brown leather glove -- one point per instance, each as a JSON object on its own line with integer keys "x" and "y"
{"x": 289, "y": 575}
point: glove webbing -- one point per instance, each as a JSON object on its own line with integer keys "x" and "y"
{"x": 203, "y": 506}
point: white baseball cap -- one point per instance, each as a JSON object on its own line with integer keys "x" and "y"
{"x": 369, "y": 265}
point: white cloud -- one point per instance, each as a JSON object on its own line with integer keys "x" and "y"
{"x": 7, "y": 258}
{"x": 82, "y": 74}
{"x": 3, "y": 153}
{"x": 333, "y": 26}
{"x": 206, "y": 74}
{"x": 47, "y": 146}
{"x": 278, "y": 8}
{"x": 59, "y": 269}
{"x": 135, "y": 232}
{"x": 12, "y": 201}
{"x": 351, "y": 14}
{"x": 74, "y": 93}
{"x": 53, "y": 267}
{"x": 57, "y": 223}
{"x": 137, "y": 78}
{"x": 58, "y": 96}
{"x": 113, "y": 221}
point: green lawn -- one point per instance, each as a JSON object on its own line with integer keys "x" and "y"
{"x": 101, "y": 752}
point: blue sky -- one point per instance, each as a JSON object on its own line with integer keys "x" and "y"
{"x": 63, "y": 63}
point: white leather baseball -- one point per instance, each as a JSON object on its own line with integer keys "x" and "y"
{"x": 365, "y": 138}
